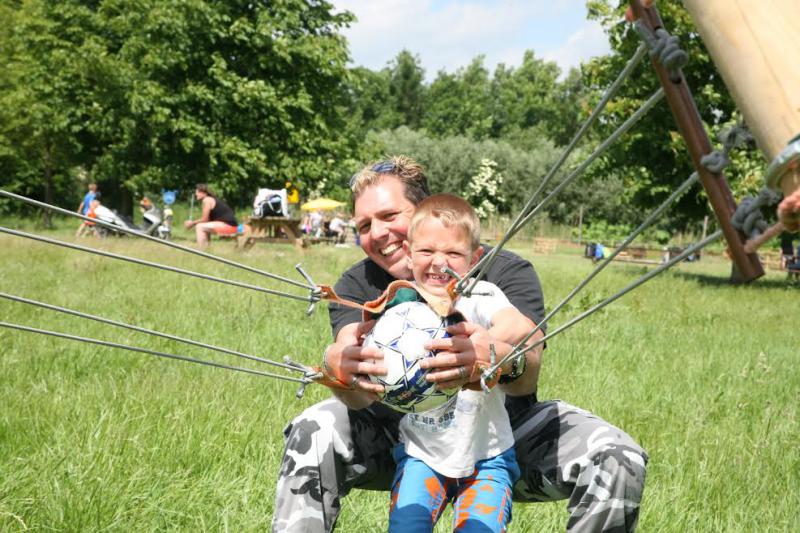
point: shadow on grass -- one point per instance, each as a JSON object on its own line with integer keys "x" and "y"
{"x": 709, "y": 280}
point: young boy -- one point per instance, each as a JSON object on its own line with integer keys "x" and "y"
{"x": 462, "y": 451}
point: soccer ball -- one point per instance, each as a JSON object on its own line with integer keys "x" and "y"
{"x": 401, "y": 333}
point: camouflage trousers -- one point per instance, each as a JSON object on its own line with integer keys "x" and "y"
{"x": 563, "y": 453}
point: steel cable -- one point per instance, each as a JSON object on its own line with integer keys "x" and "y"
{"x": 149, "y": 352}
{"x": 144, "y": 330}
{"x": 153, "y": 239}
{"x": 521, "y": 350}
{"x": 154, "y": 265}
{"x": 611, "y": 139}
{"x": 482, "y": 266}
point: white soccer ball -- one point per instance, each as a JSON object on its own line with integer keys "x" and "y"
{"x": 401, "y": 333}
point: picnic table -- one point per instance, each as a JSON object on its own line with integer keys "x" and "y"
{"x": 271, "y": 229}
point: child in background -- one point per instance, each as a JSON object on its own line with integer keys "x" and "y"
{"x": 461, "y": 452}
{"x": 83, "y": 209}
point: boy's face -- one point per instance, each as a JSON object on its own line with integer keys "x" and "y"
{"x": 436, "y": 246}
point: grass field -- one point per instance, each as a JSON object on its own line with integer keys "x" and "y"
{"x": 703, "y": 374}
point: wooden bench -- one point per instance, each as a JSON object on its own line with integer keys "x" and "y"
{"x": 544, "y": 246}
{"x": 270, "y": 229}
{"x": 637, "y": 252}
{"x": 308, "y": 240}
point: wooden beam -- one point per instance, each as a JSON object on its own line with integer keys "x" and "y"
{"x": 747, "y": 267}
{"x": 754, "y": 46}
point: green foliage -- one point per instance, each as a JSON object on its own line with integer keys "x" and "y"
{"x": 452, "y": 162}
{"x": 460, "y": 103}
{"x": 152, "y": 95}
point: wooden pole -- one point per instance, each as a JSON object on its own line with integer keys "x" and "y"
{"x": 754, "y": 46}
{"x": 747, "y": 267}
{"x": 754, "y": 244}
{"x": 705, "y": 227}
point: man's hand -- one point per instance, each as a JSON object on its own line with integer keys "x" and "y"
{"x": 454, "y": 364}
{"x": 789, "y": 212}
{"x": 348, "y": 361}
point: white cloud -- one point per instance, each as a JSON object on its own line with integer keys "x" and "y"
{"x": 448, "y": 34}
{"x": 587, "y": 42}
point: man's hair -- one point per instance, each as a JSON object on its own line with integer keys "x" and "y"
{"x": 451, "y": 211}
{"x": 409, "y": 172}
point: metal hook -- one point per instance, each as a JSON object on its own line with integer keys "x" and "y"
{"x": 486, "y": 374}
{"x": 316, "y": 292}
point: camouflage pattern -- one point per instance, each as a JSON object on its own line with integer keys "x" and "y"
{"x": 563, "y": 453}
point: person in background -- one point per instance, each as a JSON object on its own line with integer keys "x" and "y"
{"x": 337, "y": 228}
{"x": 83, "y": 209}
{"x": 292, "y": 198}
{"x": 317, "y": 224}
{"x": 216, "y": 217}
{"x": 151, "y": 215}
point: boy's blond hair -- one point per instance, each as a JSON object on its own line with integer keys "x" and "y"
{"x": 452, "y": 211}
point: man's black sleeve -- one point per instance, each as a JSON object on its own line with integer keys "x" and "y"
{"x": 363, "y": 282}
{"x": 517, "y": 279}
{"x": 348, "y": 289}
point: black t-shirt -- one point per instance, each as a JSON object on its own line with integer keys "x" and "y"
{"x": 222, "y": 213}
{"x": 366, "y": 281}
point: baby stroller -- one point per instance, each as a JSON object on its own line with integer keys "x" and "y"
{"x": 155, "y": 222}
{"x": 270, "y": 203}
{"x": 104, "y": 214}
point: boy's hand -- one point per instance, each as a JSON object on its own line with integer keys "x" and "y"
{"x": 454, "y": 364}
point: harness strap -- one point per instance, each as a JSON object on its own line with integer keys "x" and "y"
{"x": 442, "y": 305}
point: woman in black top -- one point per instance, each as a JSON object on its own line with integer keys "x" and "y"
{"x": 217, "y": 217}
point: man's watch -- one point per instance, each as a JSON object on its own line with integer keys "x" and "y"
{"x": 518, "y": 366}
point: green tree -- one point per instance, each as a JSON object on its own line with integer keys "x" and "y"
{"x": 652, "y": 159}
{"x": 526, "y": 97}
{"x": 406, "y": 89}
{"x": 236, "y": 93}
{"x": 41, "y": 90}
{"x": 460, "y": 103}
{"x": 370, "y": 106}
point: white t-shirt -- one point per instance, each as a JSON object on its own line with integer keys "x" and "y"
{"x": 473, "y": 425}
{"x": 336, "y": 224}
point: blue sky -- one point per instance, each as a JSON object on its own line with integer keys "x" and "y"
{"x": 448, "y": 34}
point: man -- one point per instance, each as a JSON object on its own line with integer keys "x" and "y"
{"x": 345, "y": 442}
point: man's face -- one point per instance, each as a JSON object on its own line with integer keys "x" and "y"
{"x": 382, "y": 215}
{"x": 437, "y": 246}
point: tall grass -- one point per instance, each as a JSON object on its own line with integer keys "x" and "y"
{"x": 703, "y": 374}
